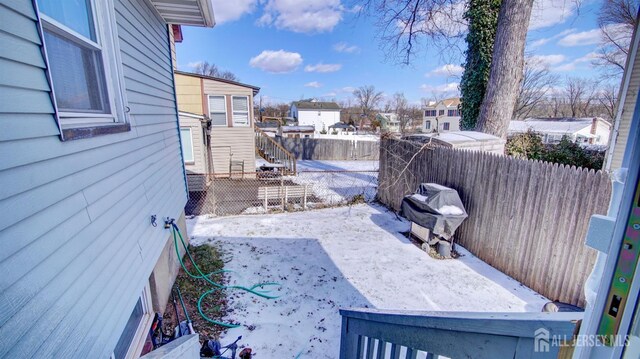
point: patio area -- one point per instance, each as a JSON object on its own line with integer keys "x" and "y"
{"x": 342, "y": 257}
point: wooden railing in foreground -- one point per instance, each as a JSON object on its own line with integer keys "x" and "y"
{"x": 371, "y": 333}
{"x": 272, "y": 151}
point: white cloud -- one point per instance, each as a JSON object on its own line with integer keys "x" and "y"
{"x": 305, "y": 16}
{"x": 277, "y": 62}
{"x": 225, "y": 10}
{"x": 537, "y": 43}
{"x": 446, "y": 71}
{"x": 195, "y": 64}
{"x": 314, "y": 84}
{"x": 575, "y": 64}
{"x": 330, "y": 94}
{"x": 348, "y": 89}
{"x": 344, "y": 47}
{"x": 547, "y": 13}
{"x": 590, "y": 37}
{"x": 322, "y": 67}
{"x": 542, "y": 61}
{"x": 444, "y": 89}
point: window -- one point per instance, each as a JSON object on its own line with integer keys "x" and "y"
{"x": 427, "y": 125}
{"x": 445, "y": 126}
{"x": 187, "y": 145}
{"x": 81, "y": 62}
{"x": 453, "y": 113}
{"x": 218, "y": 110}
{"x": 240, "y": 108}
{"x": 135, "y": 331}
{"x": 441, "y": 113}
{"x": 430, "y": 113}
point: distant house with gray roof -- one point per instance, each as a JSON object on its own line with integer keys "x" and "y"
{"x": 593, "y": 131}
{"x": 315, "y": 113}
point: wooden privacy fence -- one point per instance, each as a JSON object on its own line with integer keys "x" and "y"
{"x": 322, "y": 149}
{"x": 526, "y": 218}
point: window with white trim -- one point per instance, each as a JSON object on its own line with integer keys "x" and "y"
{"x": 82, "y": 61}
{"x": 240, "y": 108}
{"x": 218, "y": 110}
{"x": 427, "y": 125}
{"x": 187, "y": 144}
{"x": 446, "y": 126}
{"x": 135, "y": 331}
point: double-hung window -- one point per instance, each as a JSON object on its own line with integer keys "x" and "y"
{"x": 218, "y": 110}
{"x": 427, "y": 125}
{"x": 240, "y": 107}
{"x": 82, "y": 61}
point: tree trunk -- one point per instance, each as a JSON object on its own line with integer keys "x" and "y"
{"x": 506, "y": 68}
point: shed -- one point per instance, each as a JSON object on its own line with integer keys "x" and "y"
{"x": 296, "y": 131}
{"x": 468, "y": 140}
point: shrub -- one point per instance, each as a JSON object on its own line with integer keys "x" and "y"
{"x": 529, "y": 146}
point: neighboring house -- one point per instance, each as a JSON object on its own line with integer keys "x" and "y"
{"x": 89, "y": 152}
{"x": 442, "y": 116}
{"x": 587, "y": 131}
{"x": 341, "y": 128}
{"x": 296, "y": 131}
{"x": 314, "y": 113}
{"x": 228, "y": 106}
{"x": 389, "y": 122}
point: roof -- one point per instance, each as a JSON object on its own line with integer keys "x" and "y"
{"x": 558, "y": 125}
{"x": 447, "y": 102}
{"x": 316, "y": 105}
{"x": 186, "y": 12}
{"x": 297, "y": 128}
{"x": 255, "y": 89}
{"x": 341, "y": 125}
{"x": 269, "y": 124}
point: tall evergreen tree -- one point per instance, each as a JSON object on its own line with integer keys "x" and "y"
{"x": 482, "y": 16}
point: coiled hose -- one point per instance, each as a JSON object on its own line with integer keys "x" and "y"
{"x": 217, "y": 286}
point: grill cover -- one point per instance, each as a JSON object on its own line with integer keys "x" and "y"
{"x": 435, "y": 207}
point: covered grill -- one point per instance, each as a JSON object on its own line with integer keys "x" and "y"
{"x": 435, "y": 208}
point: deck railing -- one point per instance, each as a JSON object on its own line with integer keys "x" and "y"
{"x": 370, "y": 333}
{"x": 272, "y": 151}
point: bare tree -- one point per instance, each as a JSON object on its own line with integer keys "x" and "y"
{"x": 608, "y": 99}
{"x": 617, "y": 20}
{"x": 367, "y": 99}
{"x": 580, "y": 94}
{"x": 402, "y": 110}
{"x": 207, "y": 69}
{"x": 404, "y": 24}
{"x": 537, "y": 83}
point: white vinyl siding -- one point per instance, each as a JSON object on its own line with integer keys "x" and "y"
{"x": 82, "y": 62}
{"x": 240, "y": 107}
{"x": 187, "y": 145}
{"x": 218, "y": 110}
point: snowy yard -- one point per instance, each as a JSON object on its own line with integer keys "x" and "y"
{"x": 339, "y": 181}
{"x": 342, "y": 257}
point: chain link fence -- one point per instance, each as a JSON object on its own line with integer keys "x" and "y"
{"x": 269, "y": 192}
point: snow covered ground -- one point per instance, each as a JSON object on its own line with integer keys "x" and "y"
{"x": 342, "y": 257}
{"x": 333, "y": 184}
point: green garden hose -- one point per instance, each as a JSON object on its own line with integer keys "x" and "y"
{"x": 217, "y": 286}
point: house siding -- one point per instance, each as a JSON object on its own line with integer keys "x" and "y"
{"x": 319, "y": 122}
{"x": 78, "y": 247}
{"x": 239, "y": 141}
{"x": 225, "y": 140}
{"x": 631, "y": 98}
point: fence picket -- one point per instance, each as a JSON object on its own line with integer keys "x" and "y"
{"x": 526, "y": 218}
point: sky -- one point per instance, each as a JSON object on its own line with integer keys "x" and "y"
{"x": 294, "y": 49}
